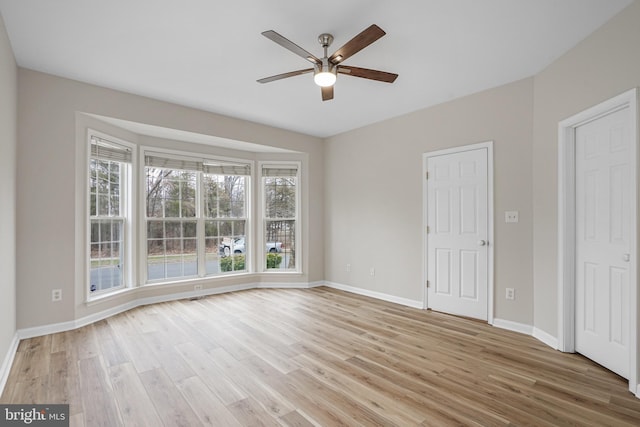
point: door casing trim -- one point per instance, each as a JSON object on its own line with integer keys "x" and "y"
{"x": 488, "y": 145}
{"x": 566, "y": 225}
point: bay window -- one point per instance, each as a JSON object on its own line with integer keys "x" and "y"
{"x": 190, "y": 214}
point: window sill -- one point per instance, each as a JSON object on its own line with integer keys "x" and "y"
{"x": 249, "y": 276}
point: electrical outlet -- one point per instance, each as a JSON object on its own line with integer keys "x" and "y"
{"x": 348, "y": 268}
{"x": 56, "y": 295}
{"x": 510, "y": 294}
{"x": 372, "y": 271}
{"x": 197, "y": 287}
{"x": 511, "y": 216}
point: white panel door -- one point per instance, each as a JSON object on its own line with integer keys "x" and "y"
{"x": 457, "y": 217}
{"x": 603, "y": 220}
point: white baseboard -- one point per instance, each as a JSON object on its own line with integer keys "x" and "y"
{"x": 546, "y": 338}
{"x": 7, "y": 362}
{"x": 538, "y": 334}
{"x": 513, "y": 326}
{"x": 269, "y": 285}
{"x": 377, "y": 295}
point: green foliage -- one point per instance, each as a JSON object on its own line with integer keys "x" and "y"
{"x": 273, "y": 260}
{"x": 236, "y": 262}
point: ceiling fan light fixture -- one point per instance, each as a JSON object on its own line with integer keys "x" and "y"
{"x": 325, "y": 75}
{"x": 324, "y": 78}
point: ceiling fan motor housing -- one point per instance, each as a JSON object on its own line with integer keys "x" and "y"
{"x": 325, "y": 41}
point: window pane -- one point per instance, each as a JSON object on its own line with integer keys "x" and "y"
{"x": 104, "y": 188}
{"x": 189, "y": 229}
{"x": 280, "y": 197}
{"x": 172, "y": 249}
{"x": 226, "y": 246}
{"x": 172, "y": 229}
{"x": 224, "y": 196}
{"x": 170, "y": 193}
{"x": 280, "y": 248}
{"x": 106, "y": 255}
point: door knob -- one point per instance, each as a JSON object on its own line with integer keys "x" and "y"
{"x": 626, "y": 257}
{"x": 482, "y": 242}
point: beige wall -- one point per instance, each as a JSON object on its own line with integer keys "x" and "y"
{"x": 374, "y": 203}
{"x": 605, "y": 64}
{"x": 8, "y": 143}
{"x": 50, "y": 222}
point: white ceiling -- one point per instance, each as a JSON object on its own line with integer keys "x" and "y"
{"x": 208, "y": 54}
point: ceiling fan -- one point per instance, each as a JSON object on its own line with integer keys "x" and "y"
{"x": 325, "y": 70}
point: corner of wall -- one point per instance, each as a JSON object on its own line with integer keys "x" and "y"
{"x": 8, "y": 148}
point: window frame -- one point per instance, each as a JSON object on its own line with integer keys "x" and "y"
{"x": 262, "y": 217}
{"x": 200, "y": 217}
{"x": 127, "y": 214}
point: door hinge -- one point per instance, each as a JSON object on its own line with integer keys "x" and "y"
{"x": 428, "y": 284}
{"x": 427, "y": 229}
{"x": 426, "y": 175}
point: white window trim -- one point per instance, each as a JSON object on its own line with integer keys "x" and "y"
{"x": 260, "y": 238}
{"x": 129, "y": 209}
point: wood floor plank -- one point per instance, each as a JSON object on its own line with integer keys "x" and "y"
{"x": 203, "y": 366}
{"x": 310, "y": 357}
{"x": 31, "y": 390}
{"x": 317, "y": 409}
{"x": 76, "y": 420}
{"x": 134, "y": 403}
{"x": 84, "y": 343}
{"x": 99, "y": 404}
{"x": 169, "y": 403}
{"x": 378, "y": 402}
{"x": 169, "y": 358}
{"x": 420, "y": 383}
{"x": 249, "y": 412}
{"x": 274, "y": 403}
{"x": 296, "y": 419}
{"x": 111, "y": 348}
{"x": 208, "y": 408}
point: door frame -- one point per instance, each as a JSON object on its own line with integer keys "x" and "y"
{"x": 488, "y": 145}
{"x": 566, "y": 226}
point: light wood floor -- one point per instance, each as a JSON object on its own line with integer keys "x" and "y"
{"x": 310, "y": 357}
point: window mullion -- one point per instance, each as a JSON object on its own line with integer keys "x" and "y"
{"x": 200, "y": 245}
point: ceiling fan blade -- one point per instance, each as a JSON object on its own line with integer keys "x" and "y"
{"x": 327, "y": 93}
{"x": 285, "y": 75}
{"x": 356, "y": 44}
{"x": 366, "y": 73}
{"x": 288, "y": 44}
